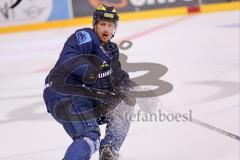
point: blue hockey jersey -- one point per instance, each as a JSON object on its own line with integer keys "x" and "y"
{"x": 104, "y": 59}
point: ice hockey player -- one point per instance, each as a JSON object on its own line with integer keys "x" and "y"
{"x": 89, "y": 42}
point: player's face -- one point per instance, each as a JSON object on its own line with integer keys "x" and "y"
{"x": 105, "y": 30}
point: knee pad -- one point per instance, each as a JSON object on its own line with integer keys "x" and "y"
{"x": 93, "y": 144}
{"x": 82, "y": 149}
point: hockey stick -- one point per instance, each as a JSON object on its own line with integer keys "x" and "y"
{"x": 16, "y": 4}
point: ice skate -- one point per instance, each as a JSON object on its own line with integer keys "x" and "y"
{"x": 107, "y": 153}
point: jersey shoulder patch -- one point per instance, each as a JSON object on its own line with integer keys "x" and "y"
{"x": 83, "y": 37}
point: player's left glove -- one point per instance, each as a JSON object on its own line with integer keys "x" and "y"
{"x": 125, "y": 94}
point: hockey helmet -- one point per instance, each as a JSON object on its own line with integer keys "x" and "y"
{"x": 104, "y": 12}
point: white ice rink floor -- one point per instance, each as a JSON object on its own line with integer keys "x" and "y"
{"x": 201, "y": 53}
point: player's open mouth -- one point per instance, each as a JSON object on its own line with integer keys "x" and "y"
{"x": 105, "y": 35}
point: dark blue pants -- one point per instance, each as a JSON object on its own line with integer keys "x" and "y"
{"x": 86, "y": 134}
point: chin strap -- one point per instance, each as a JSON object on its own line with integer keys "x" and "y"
{"x": 113, "y": 34}
{"x": 114, "y": 31}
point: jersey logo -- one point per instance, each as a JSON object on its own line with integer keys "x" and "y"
{"x": 104, "y": 65}
{"x": 105, "y": 74}
{"x": 83, "y": 37}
